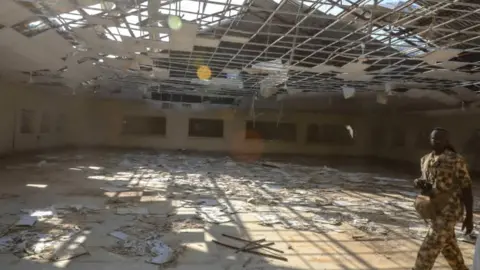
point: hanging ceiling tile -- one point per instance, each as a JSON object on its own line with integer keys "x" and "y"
{"x": 440, "y": 55}
{"x": 52, "y": 42}
{"x": 12, "y": 13}
{"x": 355, "y": 76}
{"x": 354, "y": 67}
{"x": 234, "y": 39}
{"x": 184, "y": 38}
{"x": 322, "y": 68}
{"x": 207, "y": 42}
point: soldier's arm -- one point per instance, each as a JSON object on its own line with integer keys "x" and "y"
{"x": 420, "y": 182}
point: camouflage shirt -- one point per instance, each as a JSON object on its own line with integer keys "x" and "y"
{"x": 447, "y": 172}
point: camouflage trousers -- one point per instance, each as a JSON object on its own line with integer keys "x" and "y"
{"x": 440, "y": 238}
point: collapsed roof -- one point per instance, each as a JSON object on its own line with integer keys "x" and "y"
{"x": 258, "y": 48}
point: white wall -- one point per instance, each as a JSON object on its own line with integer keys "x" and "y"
{"x": 14, "y": 98}
{"x": 101, "y": 124}
{"x": 98, "y": 122}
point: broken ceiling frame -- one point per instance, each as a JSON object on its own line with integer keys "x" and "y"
{"x": 229, "y": 35}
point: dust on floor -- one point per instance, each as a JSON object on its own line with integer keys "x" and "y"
{"x": 145, "y": 210}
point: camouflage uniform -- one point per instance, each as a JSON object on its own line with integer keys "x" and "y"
{"x": 444, "y": 172}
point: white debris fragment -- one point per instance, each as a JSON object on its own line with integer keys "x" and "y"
{"x": 160, "y": 251}
{"x": 41, "y": 213}
{"x": 114, "y": 189}
{"x": 272, "y": 188}
{"x": 346, "y": 203}
{"x": 26, "y": 221}
{"x": 328, "y": 218}
{"x": 119, "y": 235}
{"x": 213, "y": 214}
{"x": 295, "y": 224}
{"x": 268, "y": 219}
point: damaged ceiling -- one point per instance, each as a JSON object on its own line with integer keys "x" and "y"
{"x": 249, "y": 48}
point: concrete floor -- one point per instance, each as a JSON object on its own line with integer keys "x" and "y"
{"x": 378, "y": 230}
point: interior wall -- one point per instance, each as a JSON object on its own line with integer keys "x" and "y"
{"x": 100, "y": 123}
{"x": 17, "y": 97}
{"x": 462, "y": 126}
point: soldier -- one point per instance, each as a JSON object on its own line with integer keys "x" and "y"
{"x": 443, "y": 170}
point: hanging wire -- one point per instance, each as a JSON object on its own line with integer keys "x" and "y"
{"x": 280, "y": 114}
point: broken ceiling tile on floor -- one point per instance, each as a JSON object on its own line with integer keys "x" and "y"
{"x": 26, "y": 221}
{"x": 161, "y": 253}
{"x": 68, "y": 251}
{"x": 268, "y": 219}
{"x": 119, "y": 235}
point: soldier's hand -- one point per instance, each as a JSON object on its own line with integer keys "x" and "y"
{"x": 468, "y": 225}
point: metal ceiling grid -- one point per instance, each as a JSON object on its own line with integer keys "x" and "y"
{"x": 252, "y": 47}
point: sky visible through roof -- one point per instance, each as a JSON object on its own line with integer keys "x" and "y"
{"x": 378, "y": 33}
{"x": 210, "y": 14}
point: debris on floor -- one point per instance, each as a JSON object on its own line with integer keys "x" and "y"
{"x": 253, "y": 247}
{"x": 119, "y": 235}
{"x": 26, "y": 221}
{"x": 153, "y": 198}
